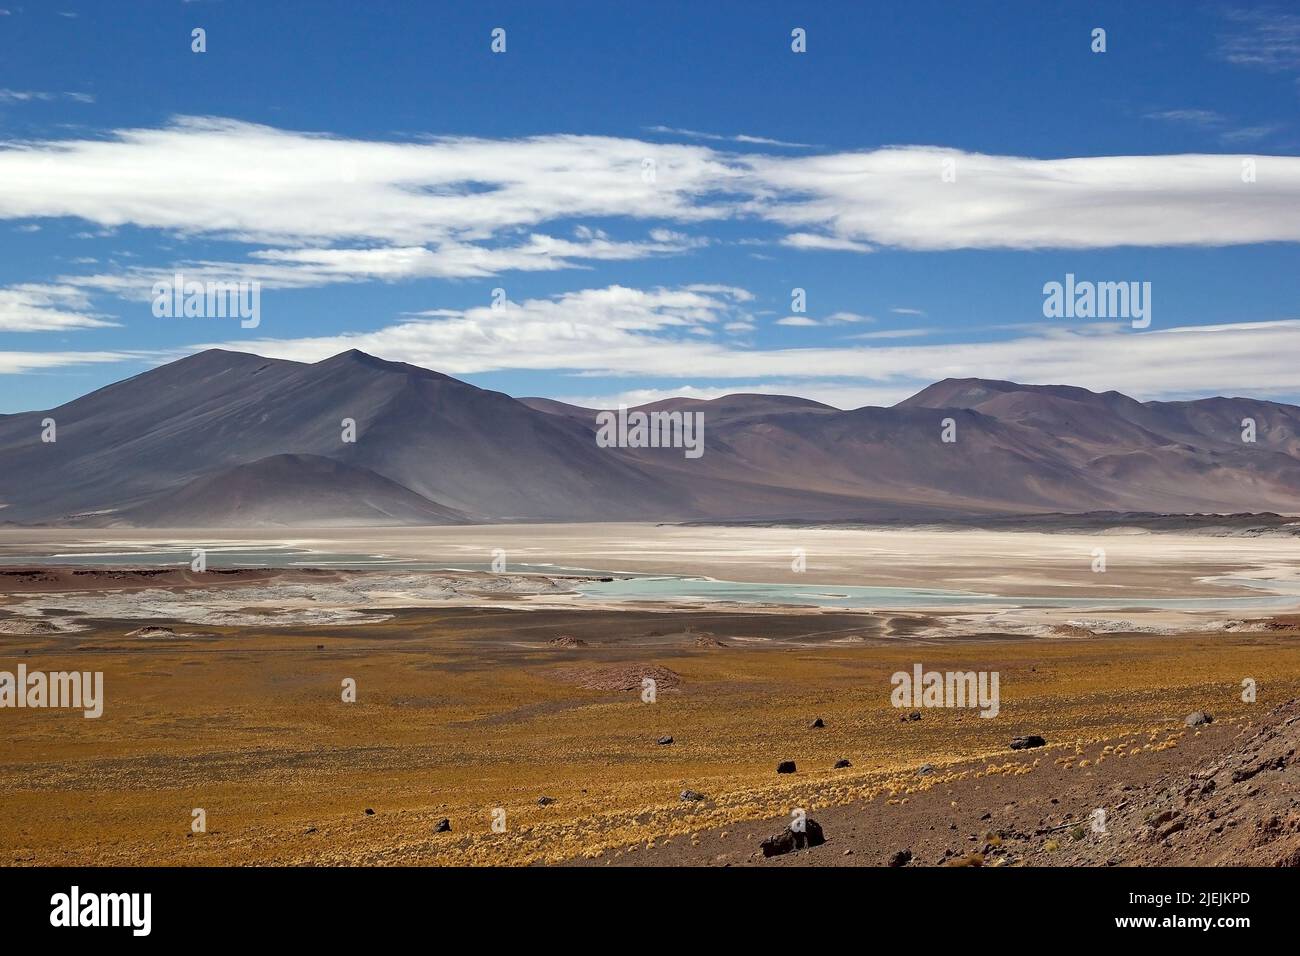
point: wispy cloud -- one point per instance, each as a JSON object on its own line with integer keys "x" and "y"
{"x": 1266, "y": 38}
{"x": 310, "y": 190}
{"x": 619, "y": 331}
{"x": 809, "y": 240}
{"x": 1249, "y": 134}
{"x": 28, "y": 96}
{"x": 1193, "y": 117}
{"x": 35, "y": 307}
{"x": 835, "y": 318}
{"x": 17, "y": 363}
{"x": 317, "y": 209}
{"x": 893, "y": 334}
{"x": 720, "y": 138}
{"x": 1217, "y": 122}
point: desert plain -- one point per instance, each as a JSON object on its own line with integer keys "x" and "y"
{"x": 513, "y": 706}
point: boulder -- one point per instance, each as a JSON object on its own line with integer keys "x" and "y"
{"x": 789, "y": 839}
{"x": 785, "y": 766}
{"x": 1027, "y": 742}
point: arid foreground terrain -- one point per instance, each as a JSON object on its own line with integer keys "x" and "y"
{"x": 517, "y": 705}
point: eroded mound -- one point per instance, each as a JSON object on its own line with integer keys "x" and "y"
{"x": 617, "y": 676}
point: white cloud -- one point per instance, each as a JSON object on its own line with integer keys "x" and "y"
{"x": 716, "y": 137}
{"x": 1249, "y": 134}
{"x": 837, "y": 395}
{"x": 29, "y": 96}
{"x": 835, "y": 318}
{"x": 893, "y": 334}
{"x": 453, "y": 196}
{"x": 199, "y": 176}
{"x": 33, "y": 307}
{"x": 617, "y": 331}
{"x": 1195, "y": 117}
{"x": 1264, "y": 38}
{"x": 809, "y": 240}
{"x": 896, "y": 197}
{"x": 14, "y": 363}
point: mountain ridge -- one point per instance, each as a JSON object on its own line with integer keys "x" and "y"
{"x": 429, "y": 447}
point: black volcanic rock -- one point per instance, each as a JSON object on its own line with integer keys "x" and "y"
{"x": 791, "y": 839}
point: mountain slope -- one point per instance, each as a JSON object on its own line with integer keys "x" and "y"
{"x": 231, "y": 437}
{"x": 469, "y": 449}
{"x": 287, "y": 491}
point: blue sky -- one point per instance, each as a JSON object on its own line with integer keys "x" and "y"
{"x": 379, "y": 171}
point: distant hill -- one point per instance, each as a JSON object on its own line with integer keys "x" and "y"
{"x": 289, "y": 490}
{"x": 231, "y": 438}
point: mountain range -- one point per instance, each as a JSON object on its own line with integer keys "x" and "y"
{"x": 231, "y": 439}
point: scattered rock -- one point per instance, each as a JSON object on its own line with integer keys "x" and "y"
{"x": 841, "y": 764}
{"x": 692, "y": 796}
{"x": 442, "y": 826}
{"x": 1172, "y": 828}
{"x": 1072, "y": 630}
{"x": 566, "y": 640}
{"x": 1198, "y": 718}
{"x": 1028, "y": 741}
{"x": 914, "y": 715}
{"x": 789, "y": 839}
{"x": 153, "y": 631}
{"x": 664, "y": 741}
{"x": 901, "y": 858}
{"x": 785, "y": 766}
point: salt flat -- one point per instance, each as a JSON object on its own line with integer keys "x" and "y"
{"x": 1010, "y": 563}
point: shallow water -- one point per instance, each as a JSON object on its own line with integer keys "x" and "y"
{"x": 1271, "y": 596}
{"x": 669, "y": 588}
